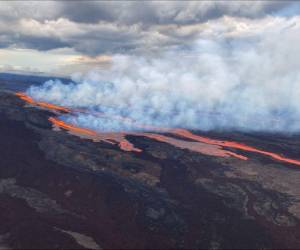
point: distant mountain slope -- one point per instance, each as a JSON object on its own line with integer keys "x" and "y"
{"x": 19, "y": 82}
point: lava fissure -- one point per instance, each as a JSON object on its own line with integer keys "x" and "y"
{"x": 111, "y": 138}
{"x": 231, "y": 144}
{"x": 198, "y": 144}
{"x": 28, "y": 99}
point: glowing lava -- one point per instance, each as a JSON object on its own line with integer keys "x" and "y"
{"x": 199, "y": 147}
{"x": 28, "y": 99}
{"x": 199, "y": 144}
{"x": 62, "y": 124}
{"x": 127, "y": 146}
{"x": 202, "y": 144}
{"x": 231, "y": 144}
{"x": 111, "y": 138}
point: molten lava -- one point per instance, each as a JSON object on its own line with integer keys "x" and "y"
{"x": 199, "y": 147}
{"x": 62, "y": 124}
{"x": 28, "y": 99}
{"x": 111, "y": 138}
{"x": 199, "y": 144}
{"x": 231, "y": 144}
{"x": 127, "y": 146}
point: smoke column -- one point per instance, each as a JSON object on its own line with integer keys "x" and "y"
{"x": 242, "y": 84}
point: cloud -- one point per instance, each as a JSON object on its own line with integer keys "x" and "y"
{"x": 40, "y": 43}
{"x": 82, "y": 64}
{"x": 229, "y": 83}
{"x": 162, "y": 12}
{"x": 97, "y": 27}
{"x": 88, "y": 12}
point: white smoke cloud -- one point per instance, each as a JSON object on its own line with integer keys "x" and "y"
{"x": 246, "y": 83}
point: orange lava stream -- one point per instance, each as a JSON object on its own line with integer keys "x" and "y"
{"x": 231, "y": 144}
{"x": 200, "y": 147}
{"x": 111, "y": 138}
{"x": 72, "y": 128}
{"x": 127, "y": 146}
{"x": 28, "y": 99}
{"x": 201, "y": 144}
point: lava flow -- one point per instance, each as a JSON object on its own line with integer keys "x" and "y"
{"x": 199, "y": 144}
{"x": 111, "y": 138}
{"x": 28, "y": 99}
{"x": 199, "y": 147}
{"x": 124, "y": 144}
{"x": 231, "y": 144}
{"x": 62, "y": 124}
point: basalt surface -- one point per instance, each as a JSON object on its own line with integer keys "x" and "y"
{"x": 59, "y": 190}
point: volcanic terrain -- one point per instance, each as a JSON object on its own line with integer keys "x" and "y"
{"x": 74, "y": 188}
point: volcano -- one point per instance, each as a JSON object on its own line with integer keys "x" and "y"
{"x": 64, "y": 186}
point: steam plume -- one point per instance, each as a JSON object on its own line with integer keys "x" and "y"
{"x": 222, "y": 84}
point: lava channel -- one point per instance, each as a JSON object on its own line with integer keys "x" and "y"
{"x": 199, "y": 144}
{"x": 231, "y": 144}
{"x": 29, "y": 100}
{"x": 112, "y": 138}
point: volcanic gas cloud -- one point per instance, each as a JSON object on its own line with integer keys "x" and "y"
{"x": 224, "y": 84}
{"x": 248, "y": 85}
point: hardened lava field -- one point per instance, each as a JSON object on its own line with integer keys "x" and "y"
{"x": 61, "y": 188}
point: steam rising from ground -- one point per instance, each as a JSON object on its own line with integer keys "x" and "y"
{"x": 247, "y": 84}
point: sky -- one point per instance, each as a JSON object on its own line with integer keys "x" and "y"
{"x": 64, "y": 37}
{"x": 193, "y": 64}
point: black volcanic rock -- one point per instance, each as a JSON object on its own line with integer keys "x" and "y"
{"x": 61, "y": 191}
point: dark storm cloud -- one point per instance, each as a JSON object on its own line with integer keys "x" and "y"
{"x": 86, "y": 12}
{"x": 95, "y": 27}
{"x": 40, "y": 43}
{"x": 91, "y": 47}
{"x": 165, "y": 12}
{"x": 4, "y": 41}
